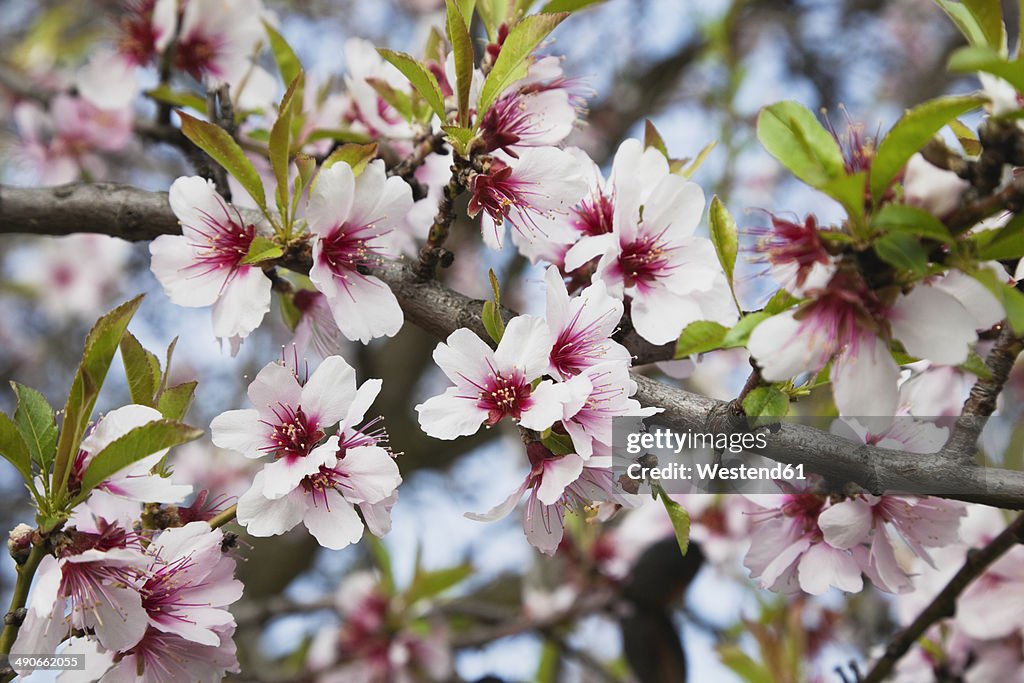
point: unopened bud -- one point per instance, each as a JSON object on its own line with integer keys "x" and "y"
{"x": 19, "y": 542}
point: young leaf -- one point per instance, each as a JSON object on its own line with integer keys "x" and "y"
{"x": 724, "y": 236}
{"x": 980, "y": 21}
{"x": 782, "y": 300}
{"x": 421, "y": 78}
{"x": 34, "y": 419}
{"x": 13, "y": 447}
{"x": 176, "y": 98}
{"x": 462, "y": 53}
{"x": 511, "y": 64}
{"x": 280, "y": 144}
{"x": 400, "y": 101}
{"x": 142, "y": 369}
{"x": 175, "y": 401}
{"x": 910, "y": 220}
{"x": 261, "y": 249}
{"x": 100, "y": 345}
{"x": 429, "y": 584}
{"x": 766, "y": 402}
{"x": 1009, "y": 296}
{"x": 680, "y": 521}
{"x": 902, "y": 251}
{"x": 466, "y": 8}
{"x": 459, "y": 138}
{"x": 133, "y": 446}
{"x": 699, "y": 337}
{"x": 493, "y": 13}
{"x": 493, "y": 323}
{"x": 740, "y": 332}
{"x": 568, "y": 5}
{"x": 558, "y": 444}
{"x": 977, "y": 58}
{"x": 910, "y": 134}
{"x": 698, "y": 161}
{"x": 288, "y": 65}
{"x": 223, "y": 149}
{"x": 652, "y": 138}
{"x": 356, "y": 156}
{"x": 1004, "y": 243}
{"x": 793, "y": 135}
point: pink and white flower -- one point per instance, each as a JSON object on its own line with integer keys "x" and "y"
{"x": 590, "y": 424}
{"x": 582, "y": 326}
{"x": 348, "y": 217}
{"x": 204, "y": 265}
{"x": 795, "y": 254}
{"x": 542, "y": 182}
{"x": 369, "y": 111}
{"x": 291, "y": 417}
{"x": 216, "y": 39}
{"x": 933, "y": 189}
{"x": 494, "y": 384}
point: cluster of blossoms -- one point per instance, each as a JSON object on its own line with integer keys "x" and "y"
{"x": 151, "y": 600}
{"x": 326, "y": 464}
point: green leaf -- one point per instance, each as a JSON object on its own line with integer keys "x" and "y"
{"x": 462, "y": 53}
{"x": 459, "y": 138}
{"x": 493, "y": 323}
{"x": 910, "y": 134}
{"x": 849, "y": 191}
{"x": 698, "y": 161}
{"x": 979, "y": 58}
{"x": 652, "y": 138}
{"x": 401, "y": 102}
{"x": 288, "y": 65}
{"x": 142, "y": 369}
{"x": 14, "y": 449}
{"x": 493, "y": 13}
{"x": 767, "y": 401}
{"x": 511, "y": 64}
{"x": 382, "y": 559}
{"x": 740, "y": 332}
{"x": 1009, "y": 296}
{"x": 724, "y": 236}
{"x": 980, "y": 21}
{"x": 911, "y": 220}
{"x": 175, "y": 401}
{"x": 466, "y": 8}
{"x": 177, "y": 98}
{"x": 133, "y": 446}
{"x": 568, "y": 5}
{"x": 680, "y": 521}
{"x": 430, "y": 584}
{"x": 793, "y": 135}
{"x": 100, "y": 346}
{"x": 743, "y": 665}
{"x": 280, "y": 144}
{"x": 35, "y": 422}
{"x": 223, "y": 149}
{"x": 903, "y": 252}
{"x": 967, "y": 137}
{"x": 558, "y": 444}
{"x": 262, "y": 249}
{"x": 699, "y": 337}
{"x": 781, "y": 301}
{"x": 421, "y": 78}
{"x": 355, "y": 155}
{"x": 1005, "y": 243}
{"x": 976, "y": 366}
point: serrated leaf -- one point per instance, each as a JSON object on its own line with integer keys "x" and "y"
{"x": 430, "y": 584}
{"x": 511, "y": 64}
{"x": 101, "y": 344}
{"x": 793, "y": 135}
{"x": 462, "y": 54}
{"x": 142, "y": 370}
{"x": 355, "y": 155}
{"x": 421, "y": 78}
{"x": 911, "y": 220}
{"x": 223, "y": 149}
{"x": 903, "y": 252}
{"x": 724, "y": 236}
{"x": 680, "y": 521}
{"x": 288, "y": 64}
{"x": 13, "y": 447}
{"x": 739, "y": 334}
{"x": 767, "y": 401}
{"x": 568, "y": 5}
{"x": 699, "y": 337}
{"x": 261, "y": 249}
{"x": 133, "y": 446}
{"x": 177, "y": 98}
{"x": 34, "y": 419}
{"x": 493, "y": 323}
{"x": 280, "y": 144}
{"x": 175, "y": 401}
{"x": 911, "y": 133}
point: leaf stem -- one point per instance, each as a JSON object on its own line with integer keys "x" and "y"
{"x": 224, "y": 518}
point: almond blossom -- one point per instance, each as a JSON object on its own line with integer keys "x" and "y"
{"x": 795, "y": 253}
{"x": 369, "y": 111}
{"x": 216, "y": 38}
{"x": 542, "y": 182}
{"x": 348, "y": 217}
{"x": 848, "y": 322}
{"x": 590, "y": 424}
{"x": 671, "y": 276}
{"x": 494, "y": 384}
{"x": 204, "y": 265}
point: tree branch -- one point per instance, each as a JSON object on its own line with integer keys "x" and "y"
{"x": 134, "y": 214}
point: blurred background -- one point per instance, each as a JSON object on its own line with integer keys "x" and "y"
{"x": 700, "y": 70}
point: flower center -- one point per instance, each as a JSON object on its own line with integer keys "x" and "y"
{"x": 644, "y": 260}
{"x": 791, "y": 243}
{"x": 295, "y": 434}
{"x": 225, "y": 242}
{"x": 496, "y": 192}
{"x": 594, "y": 215}
{"x": 348, "y": 247}
{"x": 196, "y": 55}
{"x": 503, "y": 395}
{"x": 505, "y": 123}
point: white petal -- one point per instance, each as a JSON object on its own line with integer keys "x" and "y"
{"x": 335, "y": 527}
{"x": 451, "y": 415}
{"x": 364, "y": 307}
{"x": 547, "y": 405}
{"x": 116, "y": 424}
{"x": 172, "y": 263}
{"x": 503, "y": 508}
{"x": 781, "y": 350}
{"x": 264, "y": 517}
{"x": 933, "y": 325}
{"x": 331, "y": 200}
{"x": 464, "y": 357}
{"x": 558, "y": 473}
{"x": 364, "y": 398}
{"x": 864, "y": 379}
{"x": 660, "y": 315}
{"x": 373, "y": 474}
{"x": 846, "y": 523}
{"x": 329, "y": 391}
{"x": 244, "y": 302}
{"x": 525, "y": 346}
{"x": 241, "y": 431}
{"x": 823, "y": 566}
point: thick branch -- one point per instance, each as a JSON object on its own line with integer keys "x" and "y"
{"x": 134, "y": 214}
